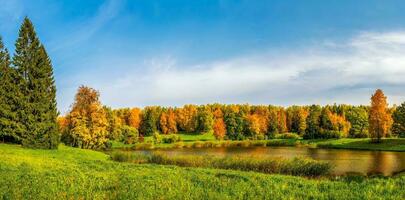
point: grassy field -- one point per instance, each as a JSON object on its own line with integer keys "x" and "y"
{"x": 70, "y": 173}
{"x": 364, "y": 144}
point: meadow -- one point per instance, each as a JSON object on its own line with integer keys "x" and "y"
{"x": 71, "y": 173}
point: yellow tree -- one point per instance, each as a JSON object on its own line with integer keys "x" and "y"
{"x": 219, "y": 128}
{"x": 87, "y": 121}
{"x": 379, "y": 117}
{"x": 134, "y": 118}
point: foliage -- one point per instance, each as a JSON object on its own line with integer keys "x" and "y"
{"x": 129, "y": 134}
{"x": 135, "y": 118}
{"x": 87, "y": 121}
{"x": 10, "y": 126}
{"x": 219, "y": 129}
{"x": 168, "y": 122}
{"x": 358, "y": 118}
{"x": 172, "y": 138}
{"x": 398, "y": 126}
{"x": 36, "y": 96}
{"x": 157, "y": 138}
{"x": 313, "y": 122}
{"x": 150, "y": 116}
{"x": 287, "y": 136}
{"x": 205, "y": 120}
{"x": 379, "y": 119}
{"x": 187, "y": 118}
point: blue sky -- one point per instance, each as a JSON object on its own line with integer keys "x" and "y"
{"x": 283, "y": 52}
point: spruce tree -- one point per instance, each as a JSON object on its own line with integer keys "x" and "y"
{"x": 37, "y": 97}
{"x": 9, "y": 126}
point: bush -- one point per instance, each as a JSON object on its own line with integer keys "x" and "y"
{"x": 171, "y": 139}
{"x": 328, "y": 134}
{"x": 130, "y": 134}
{"x": 287, "y": 136}
{"x": 157, "y": 138}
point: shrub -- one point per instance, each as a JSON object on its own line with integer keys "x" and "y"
{"x": 157, "y": 139}
{"x": 171, "y": 139}
{"x": 287, "y": 136}
{"x": 130, "y": 134}
{"x": 179, "y": 145}
{"x": 328, "y": 134}
{"x": 198, "y": 144}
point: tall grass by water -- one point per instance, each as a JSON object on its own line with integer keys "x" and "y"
{"x": 295, "y": 166}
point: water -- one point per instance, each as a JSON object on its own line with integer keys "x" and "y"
{"x": 345, "y": 161}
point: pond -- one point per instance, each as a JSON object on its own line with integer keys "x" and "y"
{"x": 345, "y": 161}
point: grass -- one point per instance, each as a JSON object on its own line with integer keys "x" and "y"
{"x": 296, "y": 166}
{"x": 70, "y": 173}
{"x": 389, "y": 144}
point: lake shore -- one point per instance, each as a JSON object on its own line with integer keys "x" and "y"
{"x": 387, "y": 144}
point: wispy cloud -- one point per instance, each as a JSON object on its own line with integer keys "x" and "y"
{"x": 344, "y": 72}
{"x": 86, "y": 29}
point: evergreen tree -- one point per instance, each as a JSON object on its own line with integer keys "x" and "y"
{"x": 37, "y": 97}
{"x": 9, "y": 126}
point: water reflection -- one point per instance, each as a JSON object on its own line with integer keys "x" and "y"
{"x": 365, "y": 162}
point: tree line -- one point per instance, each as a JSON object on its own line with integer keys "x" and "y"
{"x": 89, "y": 124}
{"x": 28, "y": 113}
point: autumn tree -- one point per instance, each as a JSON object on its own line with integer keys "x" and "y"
{"x": 37, "y": 110}
{"x": 219, "y": 128}
{"x": 253, "y": 125}
{"x": 168, "y": 122}
{"x": 398, "y": 126}
{"x": 379, "y": 118}
{"x": 187, "y": 118}
{"x": 88, "y": 125}
{"x": 134, "y": 118}
{"x": 114, "y": 124}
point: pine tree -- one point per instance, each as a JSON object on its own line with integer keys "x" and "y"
{"x": 37, "y": 97}
{"x": 9, "y": 126}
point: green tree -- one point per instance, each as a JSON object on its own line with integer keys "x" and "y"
{"x": 358, "y": 118}
{"x": 235, "y": 122}
{"x": 205, "y": 120}
{"x": 37, "y": 96}
{"x": 313, "y": 122}
{"x": 398, "y": 127}
{"x": 150, "y": 120}
{"x": 9, "y": 124}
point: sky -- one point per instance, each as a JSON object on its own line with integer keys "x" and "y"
{"x": 170, "y": 53}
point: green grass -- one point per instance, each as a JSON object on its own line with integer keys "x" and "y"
{"x": 70, "y": 173}
{"x": 389, "y": 144}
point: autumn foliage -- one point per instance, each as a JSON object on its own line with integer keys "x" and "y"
{"x": 379, "y": 118}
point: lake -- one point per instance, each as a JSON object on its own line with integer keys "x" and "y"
{"x": 345, "y": 161}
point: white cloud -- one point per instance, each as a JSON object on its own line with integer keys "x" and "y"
{"x": 345, "y": 72}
